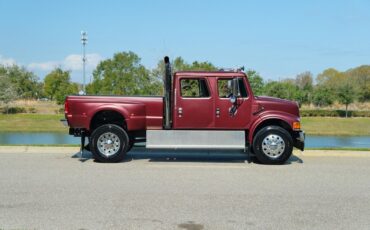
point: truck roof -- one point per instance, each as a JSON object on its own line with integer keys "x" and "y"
{"x": 211, "y": 73}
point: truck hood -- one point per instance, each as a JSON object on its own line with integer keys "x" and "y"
{"x": 264, "y": 103}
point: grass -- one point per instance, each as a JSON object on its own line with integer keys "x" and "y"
{"x": 43, "y": 107}
{"x": 359, "y": 126}
{"x": 32, "y": 123}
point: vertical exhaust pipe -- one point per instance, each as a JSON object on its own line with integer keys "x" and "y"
{"x": 167, "y": 93}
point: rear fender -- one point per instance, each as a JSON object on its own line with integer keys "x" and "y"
{"x": 117, "y": 109}
{"x": 134, "y": 114}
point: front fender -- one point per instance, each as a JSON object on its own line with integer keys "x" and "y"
{"x": 281, "y": 116}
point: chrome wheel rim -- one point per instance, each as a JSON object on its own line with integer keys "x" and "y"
{"x": 273, "y": 146}
{"x": 108, "y": 144}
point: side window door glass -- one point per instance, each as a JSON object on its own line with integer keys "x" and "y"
{"x": 225, "y": 88}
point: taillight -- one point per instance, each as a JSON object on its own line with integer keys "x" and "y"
{"x": 66, "y": 107}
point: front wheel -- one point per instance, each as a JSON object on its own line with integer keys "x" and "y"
{"x": 109, "y": 143}
{"x": 273, "y": 145}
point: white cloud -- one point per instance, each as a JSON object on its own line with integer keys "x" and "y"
{"x": 7, "y": 61}
{"x": 44, "y": 66}
{"x": 72, "y": 62}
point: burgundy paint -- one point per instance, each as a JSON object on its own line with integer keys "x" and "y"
{"x": 142, "y": 113}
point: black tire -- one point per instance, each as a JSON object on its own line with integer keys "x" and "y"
{"x": 130, "y": 144}
{"x": 273, "y": 145}
{"x": 113, "y": 151}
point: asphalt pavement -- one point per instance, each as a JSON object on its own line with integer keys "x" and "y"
{"x": 51, "y": 188}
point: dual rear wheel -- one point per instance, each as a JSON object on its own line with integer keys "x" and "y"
{"x": 110, "y": 143}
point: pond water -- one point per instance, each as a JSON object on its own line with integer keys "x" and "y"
{"x": 337, "y": 141}
{"x": 37, "y": 138}
{"x": 62, "y": 138}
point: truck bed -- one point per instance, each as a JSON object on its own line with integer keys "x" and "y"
{"x": 139, "y": 112}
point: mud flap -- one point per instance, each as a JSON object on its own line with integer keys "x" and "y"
{"x": 82, "y": 143}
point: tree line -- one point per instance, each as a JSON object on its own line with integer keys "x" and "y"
{"x": 331, "y": 86}
{"x": 123, "y": 74}
{"x": 19, "y": 83}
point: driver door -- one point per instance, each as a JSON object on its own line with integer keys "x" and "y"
{"x": 224, "y": 118}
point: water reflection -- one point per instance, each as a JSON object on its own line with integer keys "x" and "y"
{"x": 338, "y": 141}
{"x": 37, "y": 139}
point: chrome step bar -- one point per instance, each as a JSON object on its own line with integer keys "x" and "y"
{"x": 195, "y": 139}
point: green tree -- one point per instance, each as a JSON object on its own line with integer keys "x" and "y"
{"x": 57, "y": 85}
{"x": 202, "y": 66}
{"x": 256, "y": 82}
{"x": 274, "y": 89}
{"x": 331, "y": 78}
{"x": 178, "y": 64}
{"x": 24, "y": 82}
{"x": 8, "y": 92}
{"x": 157, "y": 75}
{"x": 304, "y": 81}
{"x": 285, "y": 89}
{"x": 123, "y": 75}
{"x": 360, "y": 80}
{"x": 40, "y": 90}
{"x": 346, "y": 95}
{"x": 323, "y": 96}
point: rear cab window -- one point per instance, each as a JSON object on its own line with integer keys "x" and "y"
{"x": 194, "y": 88}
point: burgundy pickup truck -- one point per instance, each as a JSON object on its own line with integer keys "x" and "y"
{"x": 199, "y": 110}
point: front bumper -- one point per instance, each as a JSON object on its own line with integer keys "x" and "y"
{"x": 299, "y": 139}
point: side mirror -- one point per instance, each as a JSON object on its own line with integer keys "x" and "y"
{"x": 235, "y": 90}
{"x": 232, "y": 99}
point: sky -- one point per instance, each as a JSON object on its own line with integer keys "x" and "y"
{"x": 278, "y": 39}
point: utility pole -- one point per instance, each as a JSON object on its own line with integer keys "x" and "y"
{"x": 84, "y": 42}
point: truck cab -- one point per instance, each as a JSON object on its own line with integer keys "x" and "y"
{"x": 199, "y": 110}
{"x": 202, "y": 101}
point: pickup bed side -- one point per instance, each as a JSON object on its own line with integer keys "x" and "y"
{"x": 134, "y": 113}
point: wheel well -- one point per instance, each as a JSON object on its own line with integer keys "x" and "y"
{"x": 276, "y": 122}
{"x": 107, "y": 117}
